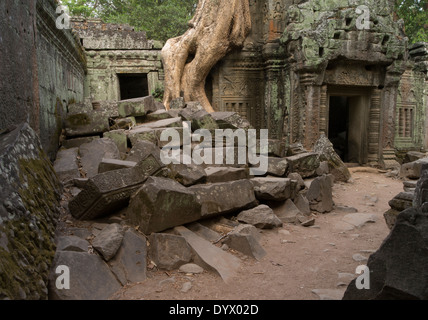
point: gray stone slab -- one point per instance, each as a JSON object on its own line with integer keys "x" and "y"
{"x": 86, "y": 124}
{"x": 110, "y": 191}
{"x": 188, "y": 174}
{"x": 66, "y": 165}
{"x": 225, "y": 264}
{"x": 169, "y": 251}
{"x": 224, "y": 174}
{"x": 305, "y": 164}
{"x": 272, "y": 188}
{"x": 113, "y": 164}
{"x": 287, "y": 212}
{"x": 90, "y": 277}
{"x": 72, "y": 243}
{"x": 136, "y": 107}
{"x": 92, "y": 153}
{"x": 119, "y": 137}
{"x": 77, "y": 142}
{"x": 108, "y": 241}
{"x": 261, "y": 217}
{"x": 204, "y": 232}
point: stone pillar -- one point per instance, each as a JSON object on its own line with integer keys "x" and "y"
{"x": 389, "y": 99}
{"x": 374, "y": 126}
{"x": 323, "y": 123}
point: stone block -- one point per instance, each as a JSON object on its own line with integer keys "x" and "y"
{"x": 86, "y": 124}
{"x": 141, "y": 149}
{"x": 225, "y": 174}
{"x": 177, "y": 103}
{"x": 136, "y": 107}
{"x": 66, "y": 165}
{"x": 413, "y": 170}
{"x": 77, "y": 142}
{"x": 72, "y": 243}
{"x": 130, "y": 263}
{"x": 161, "y": 204}
{"x": 230, "y": 120}
{"x": 92, "y": 153}
{"x": 320, "y": 194}
{"x": 124, "y": 123}
{"x": 169, "y": 251}
{"x": 157, "y": 115}
{"x": 277, "y": 189}
{"x": 402, "y": 201}
{"x": 305, "y": 164}
{"x": 203, "y": 231}
{"x": 110, "y": 191}
{"x": 188, "y": 174}
{"x": 108, "y": 241}
{"x": 287, "y": 212}
{"x": 246, "y": 244}
{"x": 224, "y": 197}
{"x": 119, "y": 137}
{"x": 112, "y": 164}
{"x": 261, "y": 217}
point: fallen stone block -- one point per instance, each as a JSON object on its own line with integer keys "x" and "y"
{"x": 77, "y": 142}
{"x": 110, "y": 191}
{"x": 224, "y": 197}
{"x": 391, "y": 217}
{"x": 320, "y": 194}
{"x": 191, "y": 268}
{"x": 201, "y": 120}
{"x": 412, "y": 156}
{"x": 210, "y": 256}
{"x": 130, "y": 263}
{"x": 66, "y": 166}
{"x": 421, "y": 191}
{"x": 398, "y": 268}
{"x": 246, "y": 244}
{"x": 86, "y": 124}
{"x": 230, "y": 120}
{"x": 112, "y": 164}
{"x": 141, "y": 149}
{"x": 120, "y": 138}
{"x": 402, "y": 201}
{"x": 187, "y": 174}
{"x": 225, "y": 174}
{"x": 136, "y": 107}
{"x": 169, "y": 251}
{"x": 92, "y": 153}
{"x": 221, "y": 156}
{"x": 204, "y": 232}
{"x": 157, "y": 115}
{"x": 277, "y": 166}
{"x": 275, "y": 148}
{"x": 161, "y": 204}
{"x": 261, "y": 217}
{"x": 306, "y": 164}
{"x": 324, "y": 148}
{"x": 359, "y": 219}
{"x": 177, "y": 103}
{"x": 72, "y": 243}
{"x": 124, "y": 123}
{"x": 165, "y": 123}
{"x": 248, "y": 229}
{"x": 305, "y": 221}
{"x": 410, "y": 185}
{"x": 295, "y": 149}
{"x": 80, "y": 107}
{"x": 413, "y": 170}
{"x": 108, "y": 241}
{"x": 277, "y": 189}
{"x": 323, "y": 168}
{"x": 90, "y": 277}
{"x": 302, "y": 203}
{"x": 298, "y": 178}
{"x": 287, "y": 212}
{"x": 142, "y": 133}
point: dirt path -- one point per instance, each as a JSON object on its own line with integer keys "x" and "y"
{"x": 298, "y": 259}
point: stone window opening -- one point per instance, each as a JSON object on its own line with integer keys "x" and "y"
{"x": 405, "y": 122}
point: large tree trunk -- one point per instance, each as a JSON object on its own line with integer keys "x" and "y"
{"x": 217, "y": 27}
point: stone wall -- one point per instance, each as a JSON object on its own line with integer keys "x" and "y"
{"x": 30, "y": 193}
{"x": 18, "y": 68}
{"x": 113, "y": 50}
{"x": 61, "y": 72}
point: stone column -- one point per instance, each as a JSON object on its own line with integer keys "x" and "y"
{"x": 311, "y": 104}
{"x": 374, "y": 126}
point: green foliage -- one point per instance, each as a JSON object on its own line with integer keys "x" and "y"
{"x": 158, "y": 92}
{"x": 161, "y": 19}
{"x": 415, "y": 16}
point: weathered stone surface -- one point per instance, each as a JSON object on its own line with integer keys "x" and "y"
{"x": 211, "y": 257}
{"x": 110, "y": 191}
{"x": 248, "y": 229}
{"x": 124, "y": 123}
{"x": 188, "y": 174}
{"x": 297, "y": 177}
{"x": 287, "y": 212}
{"x": 305, "y": 164}
{"x": 204, "y": 232}
{"x": 157, "y": 115}
{"x": 261, "y": 217}
{"x": 277, "y": 166}
{"x": 246, "y": 244}
{"x": 29, "y": 210}
{"x": 295, "y": 149}
{"x": 77, "y": 142}
{"x": 398, "y": 269}
{"x": 277, "y": 189}
{"x": 191, "y": 268}
{"x": 141, "y": 149}
{"x": 224, "y": 174}
{"x": 169, "y": 251}
{"x": 177, "y": 103}
{"x": 86, "y": 124}
{"x": 129, "y": 264}
{"x": 119, "y": 138}
{"x": 275, "y": 148}
{"x": 409, "y": 185}
{"x": 320, "y": 194}
{"x": 90, "y": 277}
{"x": 92, "y": 153}
{"x": 112, "y": 164}
{"x": 326, "y": 152}
{"x": 108, "y": 241}
{"x": 323, "y": 168}
{"x": 413, "y": 156}
{"x": 201, "y": 120}
{"x": 165, "y": 123}
{"x": 224, "y": 197}
{"x": 136, "y": 107}
{"x": 72, "y": 243}
{"x": 421, "y": 191}
{"x": 413, "y": 170}
{"x": 402, "y": 201}
{"x": 66, "y": 166}
{"x": 302, "y": 203}
{"x": 222, "y": 157}
{"x": 161, "y": 204}
{"x": 359, "y": 219}
{"x": 230, "y": 120}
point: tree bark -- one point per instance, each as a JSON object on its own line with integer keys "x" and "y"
{"x": 217, "y": 27}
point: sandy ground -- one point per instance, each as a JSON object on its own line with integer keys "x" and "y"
{"x": 299, "y": 259}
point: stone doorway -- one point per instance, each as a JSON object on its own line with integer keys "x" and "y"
{"x": 348, "y": 124}
{"x": 133, "y": 86}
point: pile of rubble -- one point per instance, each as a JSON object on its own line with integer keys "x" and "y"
{"x": 410, "y": 172}
{"x": 134, "y": 211}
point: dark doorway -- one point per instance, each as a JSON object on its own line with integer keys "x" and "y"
{"x": 133, "y": 86}
{"x": 339, "y": 125}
